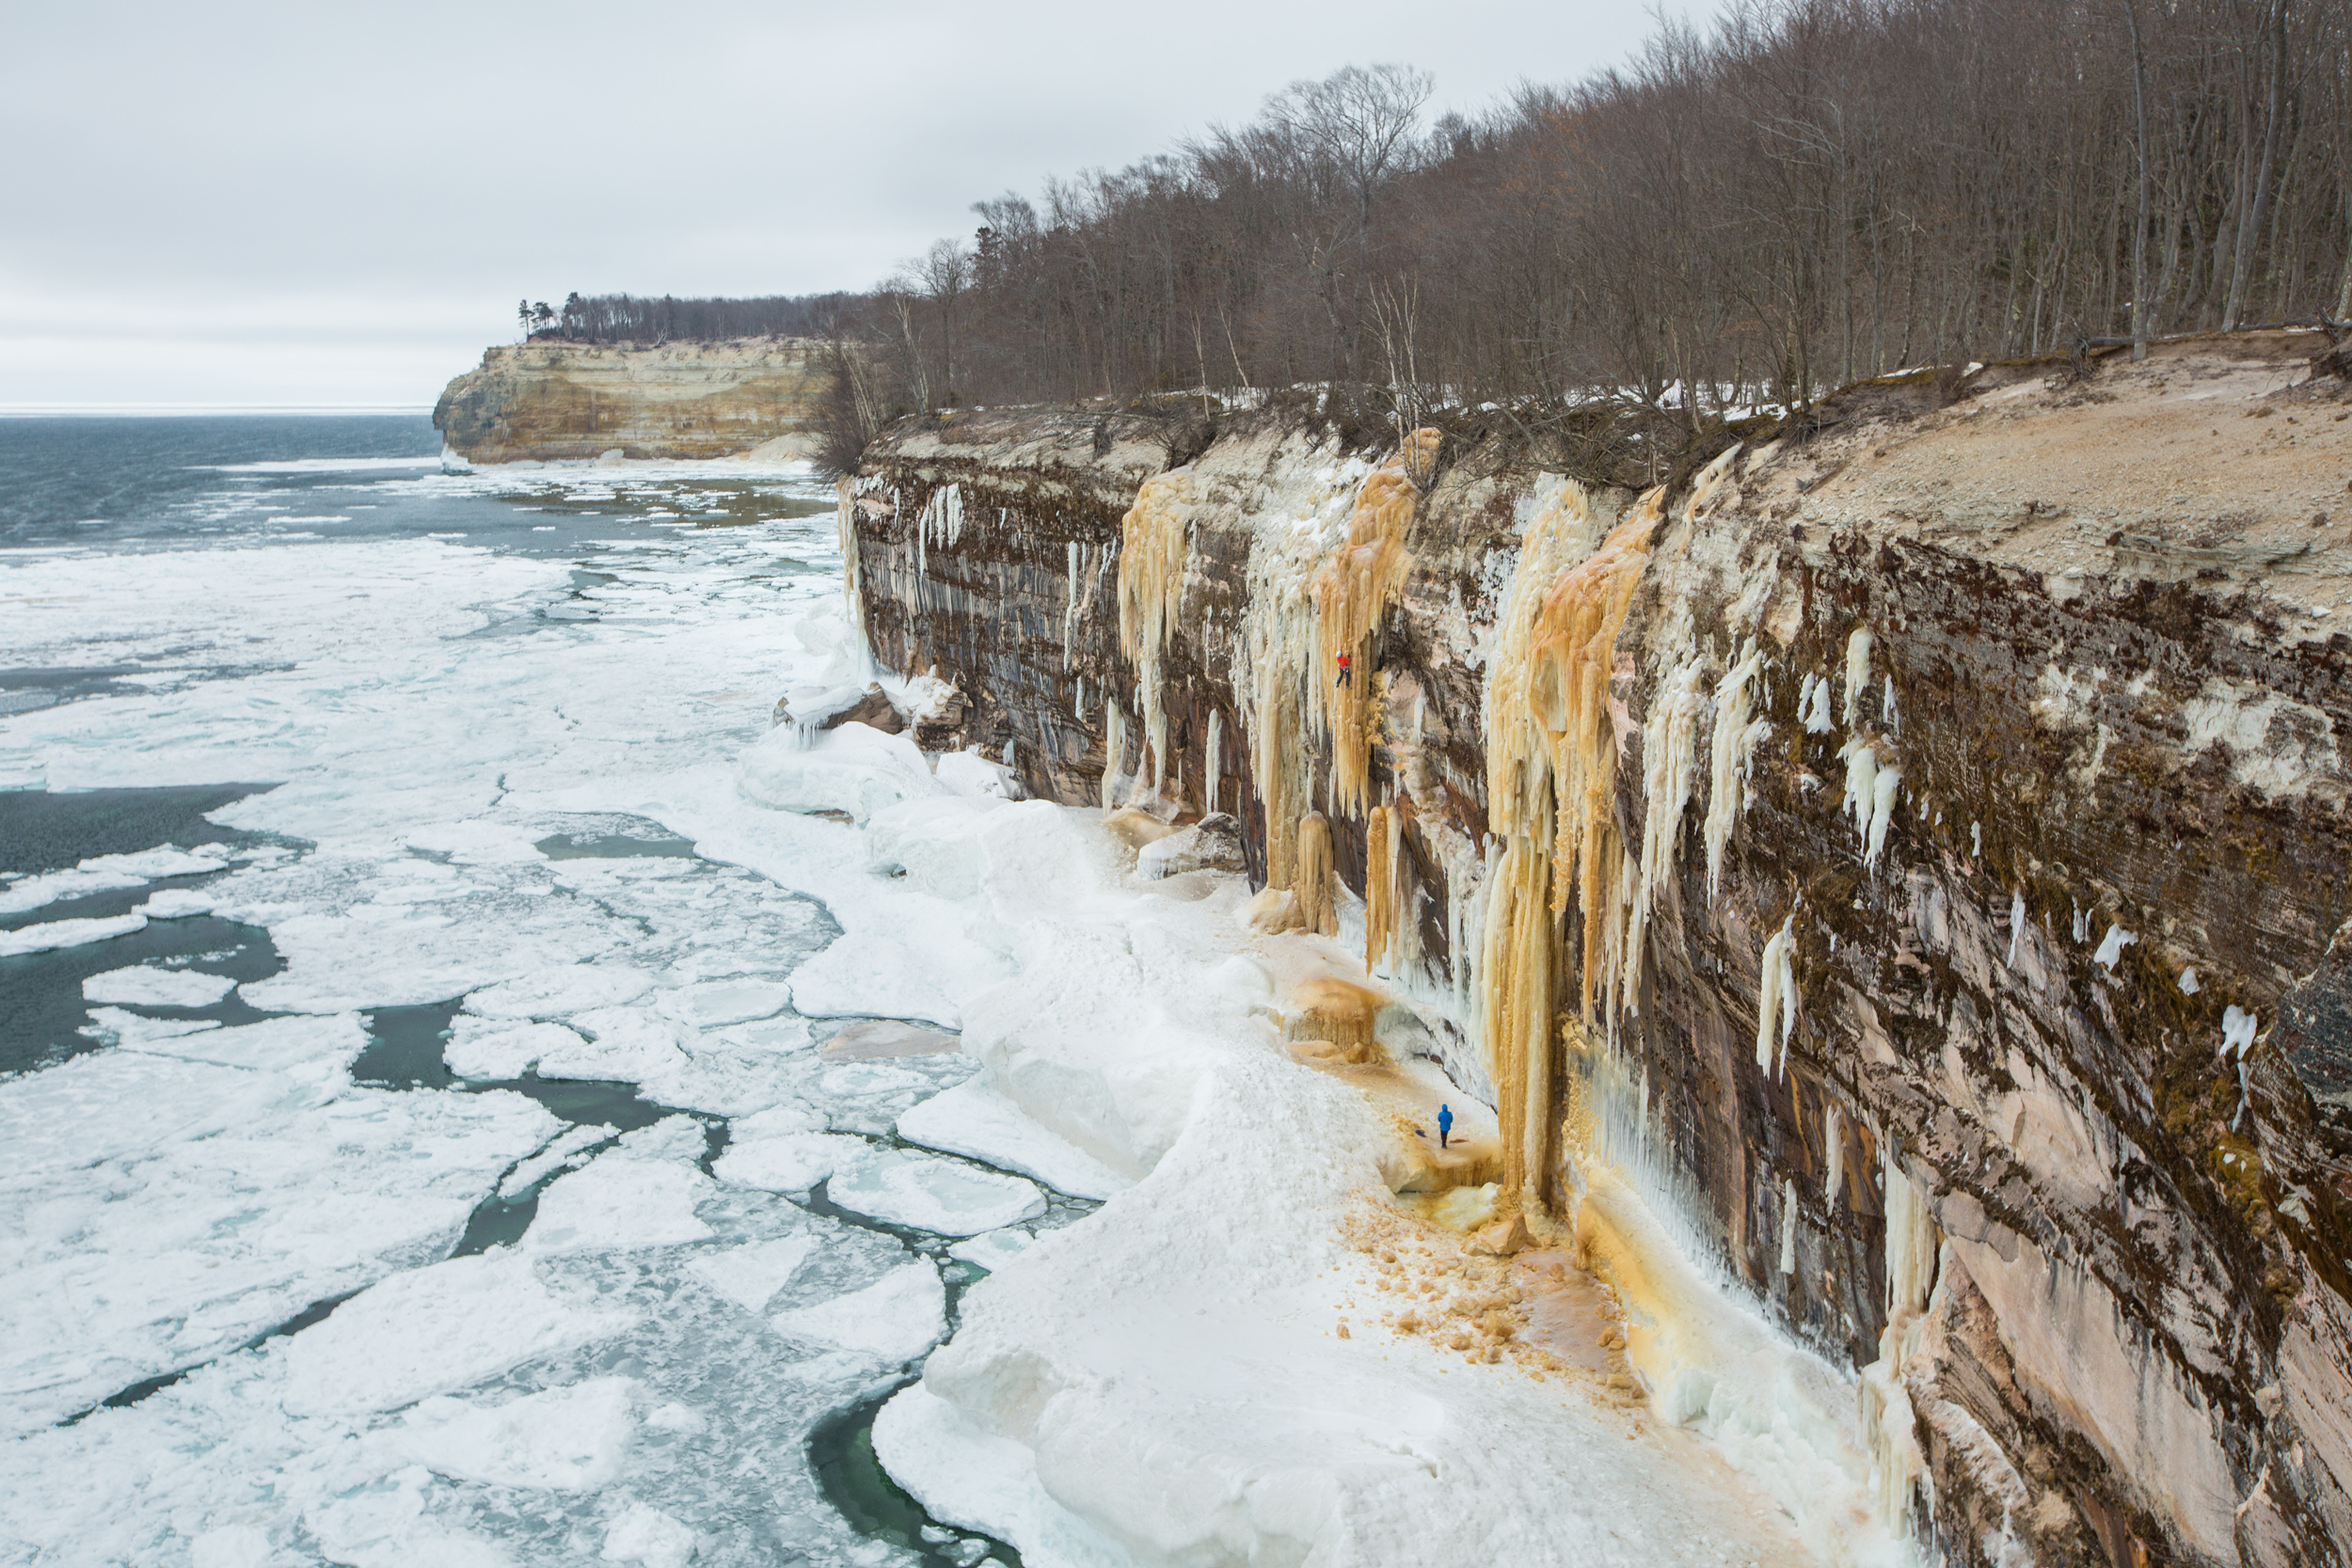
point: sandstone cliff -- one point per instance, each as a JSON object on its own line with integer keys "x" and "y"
{"x": 1914, "y": 844}
{"x": 550, "y": 401}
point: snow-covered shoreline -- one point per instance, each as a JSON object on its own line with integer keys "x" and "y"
{"x": 1166, "y": 1381}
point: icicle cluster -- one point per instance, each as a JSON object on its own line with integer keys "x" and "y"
{"x": 1152, "y": 549}
{"x": 1550, "y": 776}
{"x": 1352, "y": 593}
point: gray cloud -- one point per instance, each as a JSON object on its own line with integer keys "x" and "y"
{"x": 296, "y": 204}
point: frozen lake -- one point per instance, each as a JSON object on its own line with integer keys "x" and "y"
{"x": 412, "y": 1150}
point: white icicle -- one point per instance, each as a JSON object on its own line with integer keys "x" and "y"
{"x": 1834, "y": 1172}
{"x": 1857, "y": 674}
{"x": 1213, "y": 769}
{"x": 2017, "y": 924}
{"x": 1887, "y": 710}
{"x": 2237, "y": 1030}
{"x": 2111, "y": 947}
{"x": 1667, "y": 753}
{"x": 1114, "y": 749}
{"x": 1862, "y": 771}
{"x": 1734, "y": 746}
{"x": 1788, "y": 1226}
{"x": 2191, "y": 985}
{"x": 1776, "y": 999}
{"x": 1884, "y": 789}
{"x": 1813, "y": 705}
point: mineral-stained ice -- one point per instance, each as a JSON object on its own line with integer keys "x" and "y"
{"x": 943, "y": 1196}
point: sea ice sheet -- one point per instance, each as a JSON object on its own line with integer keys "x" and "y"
{"x": 943, "y": 1196}
{"x": 894, "y": 1319}
{"x": 147, "y": 985}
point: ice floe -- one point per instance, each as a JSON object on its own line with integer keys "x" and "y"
{"x": 894, "y": 1319}
{"x": 943, "y": 1196}
{"x": 147, "y": 985}
{"x": 977, "y": 1120}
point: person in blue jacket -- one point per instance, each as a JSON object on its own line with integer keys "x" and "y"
{"x": 1445, "y": 1124}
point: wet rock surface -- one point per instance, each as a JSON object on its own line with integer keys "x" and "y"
{"x": 2032, "y": 817}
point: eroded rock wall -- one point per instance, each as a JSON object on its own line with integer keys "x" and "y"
{"x": 547, "y": 402}
{"x": 1925, "y": 838}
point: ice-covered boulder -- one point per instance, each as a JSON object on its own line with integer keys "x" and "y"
{"x": 1212, "y": 844}
{"x": 969, "y": 773}
{"x": 856, "y": 771}
{"x": 815, "y": 709}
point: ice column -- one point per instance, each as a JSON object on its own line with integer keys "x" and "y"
{"x": 1352, "y": 593}
{"x": 1153, "y": 544}
{"x": 1735, "y": 744}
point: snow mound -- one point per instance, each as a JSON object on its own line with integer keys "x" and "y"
{"x": 969, "y": 773}
{"x": 855, "y": 769}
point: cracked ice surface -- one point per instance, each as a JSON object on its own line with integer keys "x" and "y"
{"x": 637, "y": 1377}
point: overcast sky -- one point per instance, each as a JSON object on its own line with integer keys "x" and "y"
{"x": 339, "y": 203}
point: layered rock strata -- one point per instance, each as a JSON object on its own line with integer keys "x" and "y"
{"x": 1914, "y": 846}
{"x": 548, "y": 400}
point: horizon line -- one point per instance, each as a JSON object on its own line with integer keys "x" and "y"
{"x": 36, "y": 409}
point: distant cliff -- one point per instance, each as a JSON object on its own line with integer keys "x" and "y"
{"x": 1914, "y": 845}
{"x": 550, "y": 401}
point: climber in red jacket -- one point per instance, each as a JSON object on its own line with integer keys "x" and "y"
{"x": 1346, "y": 668}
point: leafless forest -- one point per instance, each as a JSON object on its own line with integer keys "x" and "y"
{"x": 634, "y": 319}
{"x": 1809, "y": 193}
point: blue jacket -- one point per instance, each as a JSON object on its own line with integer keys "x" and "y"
{"x": 1445, "y": 1119}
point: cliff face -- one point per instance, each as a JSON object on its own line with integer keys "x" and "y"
{"x": 550, "y": 401}
{"x": 1914, "y": 847}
